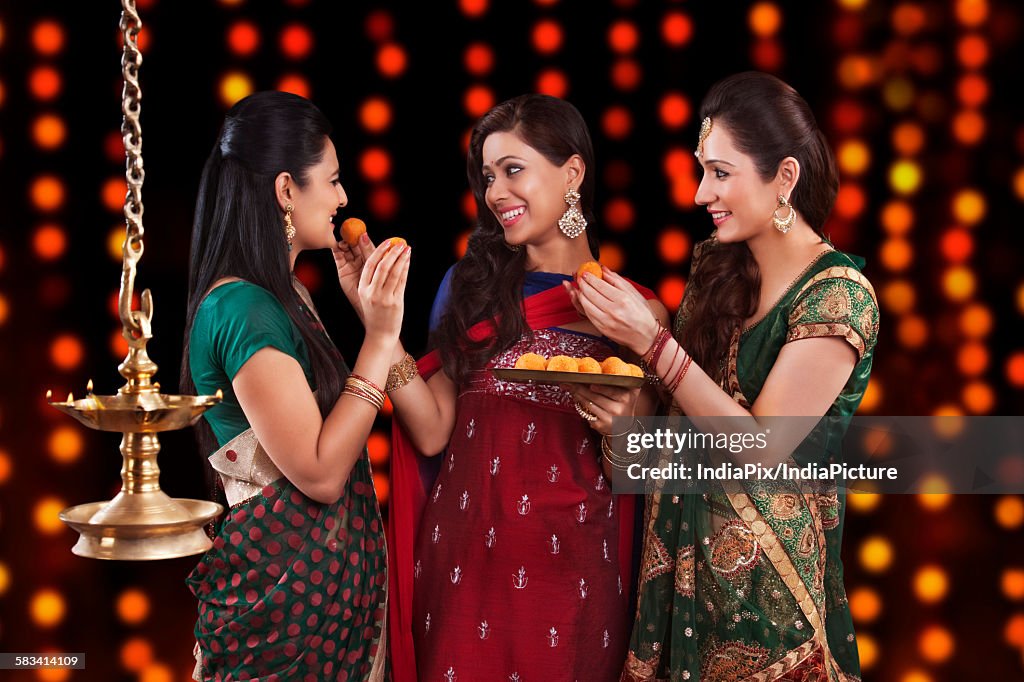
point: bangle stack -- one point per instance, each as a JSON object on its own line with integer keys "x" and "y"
{"x": 364, "y": 389}
{"x": 653, "y": 353}
{"x": 677, "y": 367}
{"x": 617, "y": 462}
{"x": 401, "y": 373}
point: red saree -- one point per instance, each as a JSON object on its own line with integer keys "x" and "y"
{"x": 482, "y": 412}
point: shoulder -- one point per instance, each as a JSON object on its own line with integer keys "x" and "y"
{"x": 242, "y": 308}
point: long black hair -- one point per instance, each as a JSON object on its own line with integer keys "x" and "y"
{"x": 488, "y": 282}
{"x": 768, "y": 121}
{"x": 238, "y": 229}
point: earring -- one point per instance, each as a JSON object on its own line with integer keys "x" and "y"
{"x": 289, "y": 228}
{"x": 572, "y": 223}
{"x": 783, "y": 224}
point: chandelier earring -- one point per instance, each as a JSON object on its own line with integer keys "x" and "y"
{"x": 783, "y": 224}
{"x": 572, "y": 223}
{"x": 289, "y": 228}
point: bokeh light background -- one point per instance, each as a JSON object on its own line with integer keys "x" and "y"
{"x": 916, "y": 97}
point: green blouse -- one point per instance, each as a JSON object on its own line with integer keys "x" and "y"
{"x": 233, "y": 322}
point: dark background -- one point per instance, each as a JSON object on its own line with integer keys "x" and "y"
{"x": 936, "y": 583}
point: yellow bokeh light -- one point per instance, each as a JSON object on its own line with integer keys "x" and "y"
{"x": 234, "y": 86}
{"x": 905, "y": 177}
{"x": 936, "y": 644}
{"x": 876, "y": 554}
{"x": 854, "y": 157}
{"x": 5, "y": 578}
{"x": 867, "y": 649}
{"x": 133, "y": 606}
{"x": 969, "y": 206}
{"x": 865, "y": 605}
{"x": 47, "y": 608}
{"x": 65, "y": 444}
{"x": 115, "y": 242}
{"x": 931, "y": 584}
{"x": 899, "y": 296}
{"x": 978, "y": 397}
{"x": 853, "y": 4}
{"x": 916, "y": 676}
{"x": 912, "y": 331}
{"x": 898, "y": 94}
{"x": 976, "y": 321}
{"x": 1013, "y": 583}
{"x": 46, "y": 515}
{"x": 863, "y": 502}
{"x": 1009, "y": 511}
{"x": 958, "y": 283}
{"x": 897, "y": 217}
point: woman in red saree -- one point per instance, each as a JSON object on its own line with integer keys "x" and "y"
{"x": 519, "y": 568}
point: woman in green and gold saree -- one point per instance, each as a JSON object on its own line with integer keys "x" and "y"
{"x": 745, "y": 582}
{"x": 294, "y": 586}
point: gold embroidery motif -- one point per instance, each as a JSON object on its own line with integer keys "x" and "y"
{"x": 836, "y": 304}
{"x": 732, "y": 662}
{"x": 808, "y": 331}
{"x": 805, "y": 548}
{"x": 785, "y": 507}
{"x": 806, "y": 657}
{"x": 685, "y": 571}
{"x": 657, "y": 560}
{"x": 730, "y": 377}
{"x": 734, "y": 549}
{"x": 638, "y": 670}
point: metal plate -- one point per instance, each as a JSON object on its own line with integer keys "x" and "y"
{"x": 542, "y": 376}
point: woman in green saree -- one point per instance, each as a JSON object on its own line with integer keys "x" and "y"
{"x": 744, "y": 583}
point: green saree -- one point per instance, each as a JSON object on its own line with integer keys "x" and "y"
{"x": 745, "y": 584}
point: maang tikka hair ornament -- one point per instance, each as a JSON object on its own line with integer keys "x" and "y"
{"x": 572, "y": 223}
{"x": 705, "y": 130}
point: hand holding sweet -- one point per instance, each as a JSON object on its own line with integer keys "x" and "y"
{"x": 617, "y": 309}
{"x": 349, "y": 260}
{"x": 381, "y": 290}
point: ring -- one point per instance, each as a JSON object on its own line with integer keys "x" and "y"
{"x": 583, "y": 413}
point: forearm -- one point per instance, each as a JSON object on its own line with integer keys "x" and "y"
{"x": 426, "y": 412}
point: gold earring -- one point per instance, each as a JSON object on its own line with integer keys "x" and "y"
{"x": 572, "y": 223}
{"x": 783, "y": 224}
{"x": 289, "y": 228}
{"x": 705, "y": 130}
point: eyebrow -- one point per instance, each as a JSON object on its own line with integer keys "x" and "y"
{"x": 502, "y": 160}
{"x": 719, "y": 161}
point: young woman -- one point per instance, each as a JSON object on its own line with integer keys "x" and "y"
{"x": 520, "y": 569}
{"x": 743, "y": 583}
{"x": 294, "y": 586}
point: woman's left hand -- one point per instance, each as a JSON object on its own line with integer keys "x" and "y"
{"x": 349, "y": 261}
{"x": 617, "y": 309}
{"x": 605, "y": 403}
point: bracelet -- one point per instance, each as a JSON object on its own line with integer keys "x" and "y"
{"x": 620, "y": 463}
{"x": 657, "y": 335}
{"x": 636, "y": 423}
{"x": 363, "y": 389}
{"x": 401, "y": 373}
{"x": 682, "y": 373}
{"x": 654, "y": 352}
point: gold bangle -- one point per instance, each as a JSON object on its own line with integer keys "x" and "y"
{"x": 360, "y": 388}
{"x": 617, "y": 462}
{"x": 401, "y": 373}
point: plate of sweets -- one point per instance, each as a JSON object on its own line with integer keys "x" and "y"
{"x": 561, "y": 369}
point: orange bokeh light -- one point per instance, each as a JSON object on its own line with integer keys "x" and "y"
{"x": 243, "y": 38}
{"x": 969, "y": 206}
{"x": 296, "y": 41}
{"x": 936, "y": 644}
{"x": 44, "y": 83}
{"x": 375, "y": 164}
{"x": 972, "y": 359}
{"x": 674, "y": 110}
{"x": 978, "y": 397}
{"x": 674, "y": 246}
{"x": 1013, "y": 583}
{"x": 1009, "y": 511}
{"x": 391, "y": 60}
{"x": 378, "y": 446}
{"x": 897, "y": 254}
{"x": 617, "y": 122}
{"x": 547, "y": 36}
{"x": 118, "y": 344}
{"x": 897, "y": 217}
{"x": 857, "y": 71}
{"x": 898, "y": 296}
{"x": 132, "y": 606}
{"x": 969, "y": 127}
{"x": 5, "y": 310}
{"x": 850, "y": 201}
{"x": 671, "y": 290}
{"x": 848, "y": 116}
{"x": 5, "y": 472}
{"x": 767, "y": 55}
{"x": 113, "y": 194}
{"x": 375, "y": 114}
{"x": 626, "y": 74}
{"x": 956, "y": 245}
{"x": 971, "y": 12}
{"x": 382, "y": 486}
{"x": 612, "y": 256}
{"x": 461, "y": 244}
{"x": 65, "y": 444}
{"x": 47, "y": 608}
{"x": 908, "y": 18}
{"x": 976, "y": 321}
{"x": 66, "y": 352}
{"x": 619, "y": 214}
{"x": 379, "y": 26}
{"x": 1015, "y": 369}
{"x": 136, "y": 654}
{"x": 48, "y": 37}
{"x": 478, "y": 100}
{"x": 49, "y": 242}
{"x": 972, "y": 90}
{"x": 931, "y": 584}
{"x": 473, "y": 8}
{"x": 764, "y": 19}
{"x": 972, "y": 51}
{"x": 865, "y": 605}
{"x": 383, "y": 202}
{"x": 623, "y": 36}
{"x": 676, "y": 29}
{"x": 479, "y": 59}
{"x": 47, "y": 192}
{"x": 49, "y": 131}
{"x": 46, "y": 515}
{"x": 959, "y": 283}
{"x": 552, "y": 82}
{"x": 908, "y": 138}
{"x": 295, "y": 84}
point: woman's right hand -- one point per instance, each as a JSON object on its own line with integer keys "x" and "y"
{"x": 382, "y": 290}
{"x": 349, "y": 261}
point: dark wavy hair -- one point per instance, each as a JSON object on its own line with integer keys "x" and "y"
{"x": 488, "y": 282}
{"x": 768, "y": 121}
{"x": 238, "y": 229}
